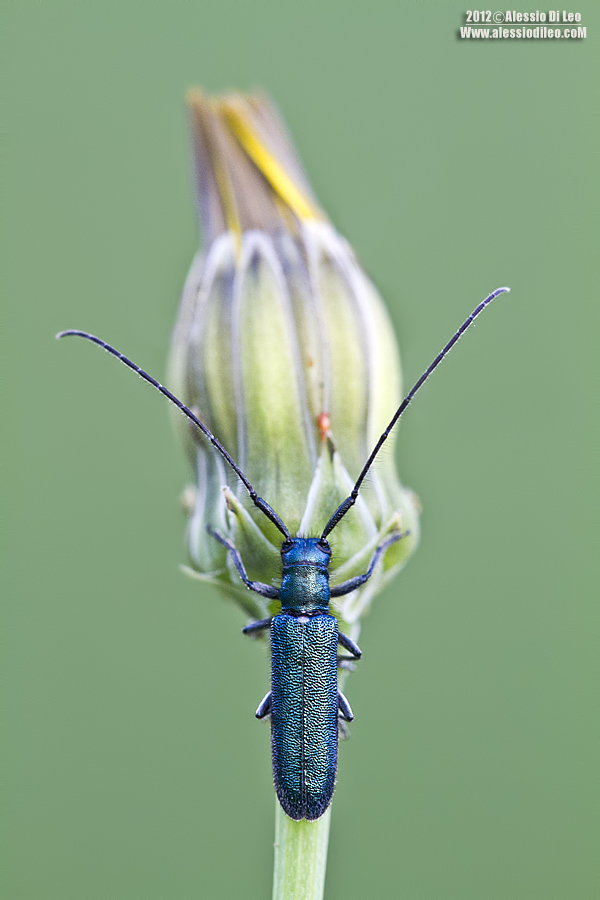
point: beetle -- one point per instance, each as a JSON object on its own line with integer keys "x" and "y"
{"x": 305, "y": 705}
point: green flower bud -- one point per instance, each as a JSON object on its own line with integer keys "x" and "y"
{"x": 285, "y": 350}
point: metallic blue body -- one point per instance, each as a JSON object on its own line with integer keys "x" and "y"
{"x": 304, "y": 696}
{"x": 304, "y": 712}
{"x": 304, "y": 702}
{"x": 305, "y": 581}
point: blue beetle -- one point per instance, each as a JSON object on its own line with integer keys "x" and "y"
{"x": 304, "y": 702}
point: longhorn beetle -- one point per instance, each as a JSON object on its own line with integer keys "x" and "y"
{"x": 304, "y": 702}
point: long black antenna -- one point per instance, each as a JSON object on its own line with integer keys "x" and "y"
{"x": 258, "y": 501}
{"x": 351, "y": 500}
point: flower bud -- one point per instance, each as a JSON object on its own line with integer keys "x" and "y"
{"x": 285, "y": 351}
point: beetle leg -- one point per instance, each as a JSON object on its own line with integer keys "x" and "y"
{"x": 349, "y": 645}
{"x": 344, "y": 708}
{"x": 265, "y": 590}
{"x": 346, "y": 586}
{"x": 264, "y": 707}
{"x": 259, "y": 625}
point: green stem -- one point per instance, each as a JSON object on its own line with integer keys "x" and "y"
{"x": 300, "y": 857}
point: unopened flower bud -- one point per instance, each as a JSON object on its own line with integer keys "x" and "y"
{"x": 285, "y": 350}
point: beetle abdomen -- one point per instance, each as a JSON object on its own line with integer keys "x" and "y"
{"x": 304, "y": 712}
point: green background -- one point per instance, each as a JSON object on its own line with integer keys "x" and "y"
{"x": 135, "y": 768}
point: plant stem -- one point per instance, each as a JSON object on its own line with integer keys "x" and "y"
{"x": 300, "y": 857}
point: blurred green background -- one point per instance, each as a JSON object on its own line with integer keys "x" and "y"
{"x": 134, "y": 767}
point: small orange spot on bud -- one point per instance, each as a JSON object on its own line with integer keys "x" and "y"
{"x": 309, "y": 362}
{"x": 324, "y": 424}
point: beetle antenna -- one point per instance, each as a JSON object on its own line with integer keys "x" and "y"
{"x": 258, "y": 501}
{"x": 351, "y": 499}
